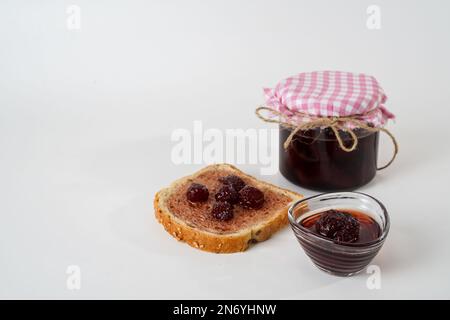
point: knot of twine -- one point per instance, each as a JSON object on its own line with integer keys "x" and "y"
{"x": 335, "y": 123}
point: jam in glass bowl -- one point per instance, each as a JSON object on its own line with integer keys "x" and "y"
{"x": 340, "y": 232}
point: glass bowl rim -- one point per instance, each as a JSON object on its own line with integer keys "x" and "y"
{"x": 312, "y": 234}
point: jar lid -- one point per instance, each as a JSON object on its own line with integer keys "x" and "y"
{"x": 330, "y": 94}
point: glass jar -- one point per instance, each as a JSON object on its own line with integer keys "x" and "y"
{"x": 341, "y": 259}
{"x": 315, "y": 160}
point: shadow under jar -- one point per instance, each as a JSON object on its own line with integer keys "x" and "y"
{"x": 315, "y": 160}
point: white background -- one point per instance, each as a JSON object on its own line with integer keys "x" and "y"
{"x": 85, "y": 123}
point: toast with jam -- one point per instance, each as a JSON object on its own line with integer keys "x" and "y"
{"x": 221, "y": 209}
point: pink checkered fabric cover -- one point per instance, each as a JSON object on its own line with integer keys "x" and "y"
{"x": 330, "y": 94}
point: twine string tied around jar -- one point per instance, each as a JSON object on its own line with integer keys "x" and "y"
{"x": 334, "y": 123}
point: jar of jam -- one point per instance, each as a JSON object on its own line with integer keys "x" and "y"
{"x": 315, "y": 160}
{"x": 329, "y": 124}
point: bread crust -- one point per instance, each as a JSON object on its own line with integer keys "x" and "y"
{"x": 215, "y": 242}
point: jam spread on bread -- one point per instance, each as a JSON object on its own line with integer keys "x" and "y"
{"x": 211, "y": 201}
{"x": 251, "y": 198}
{"x": 233, "y": 192}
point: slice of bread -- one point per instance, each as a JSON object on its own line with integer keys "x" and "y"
{"x": 195, "y": 225}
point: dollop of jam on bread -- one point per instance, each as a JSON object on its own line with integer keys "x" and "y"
{"x": 234, "y": 191}
{"x": 251, "y": 198}
{"x": 227, "y": 194}
{"x": 197, "y": 193}
{"x": 222, "y": 211}
{"x": 234, "y": 181}
{"x": 200, "y": 201}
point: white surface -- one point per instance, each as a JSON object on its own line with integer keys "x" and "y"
{"x": 85, "y": 124}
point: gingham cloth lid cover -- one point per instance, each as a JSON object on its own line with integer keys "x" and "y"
{"x": 330, "y": 94}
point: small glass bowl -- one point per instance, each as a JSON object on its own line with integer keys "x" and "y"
{"x": 341, "y": 259}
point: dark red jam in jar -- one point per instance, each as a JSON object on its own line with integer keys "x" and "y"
{"x": 315, "y": 160}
